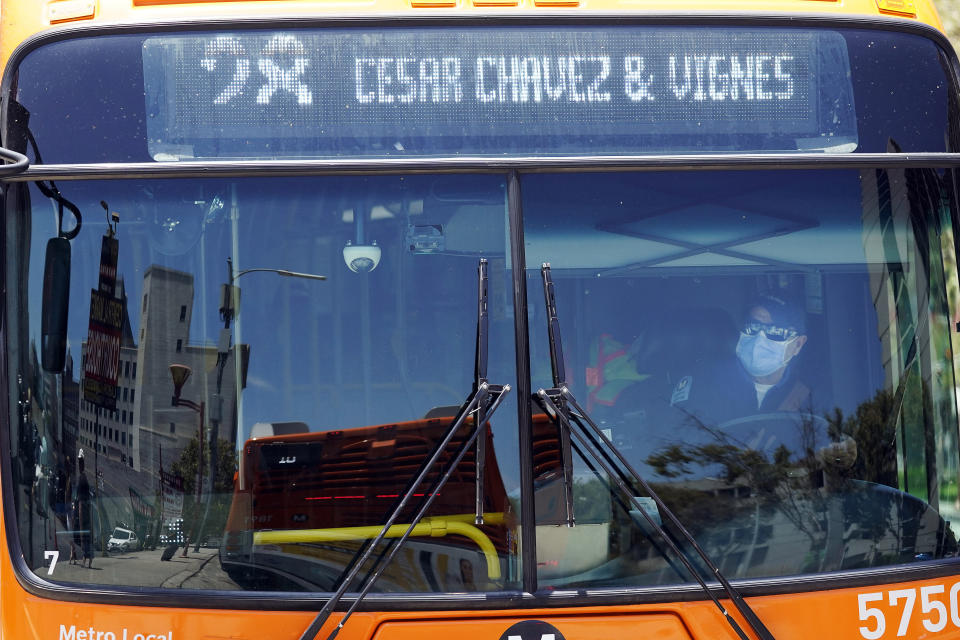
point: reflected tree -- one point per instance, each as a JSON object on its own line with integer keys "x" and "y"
{"x": 186, "y": 467}
{"x": 838, "y": 487}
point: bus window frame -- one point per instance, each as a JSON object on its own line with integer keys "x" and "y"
{"x": 513, "y": 169}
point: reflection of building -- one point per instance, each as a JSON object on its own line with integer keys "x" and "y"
{"x": 906, "y": 285}
{"x": 146, "y": 431}
{"x": 110, "y": 434}
{"x": 70, "y": 393}
{"x": 166, "y": 309}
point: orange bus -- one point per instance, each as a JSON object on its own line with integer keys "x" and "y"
{"x": 743, "y": 218}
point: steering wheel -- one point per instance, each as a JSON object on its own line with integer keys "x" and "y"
{"x": 766, "y": 432}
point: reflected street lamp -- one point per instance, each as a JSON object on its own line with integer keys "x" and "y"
{"x": 229, "y": 301}
{"x": 180, "y": 373}
{"x": 230, "y": 295}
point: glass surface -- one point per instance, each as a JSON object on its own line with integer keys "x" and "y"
{"x": 315, "y": 400}
{"x": 439, "y": 91}
{"x": 770, "y": 350}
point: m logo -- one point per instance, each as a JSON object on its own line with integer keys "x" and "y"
{"x": 532, "y": 630}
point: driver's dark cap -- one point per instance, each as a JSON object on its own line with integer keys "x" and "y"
{"x": 784, "y": 312}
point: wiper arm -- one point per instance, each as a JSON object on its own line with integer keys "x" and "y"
{"x": 483, "y": 401}
{"x": 558, "y": 403}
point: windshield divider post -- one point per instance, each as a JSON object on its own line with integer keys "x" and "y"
{"x": 558, "y": 368}
{"x": 582, "y": 419}
{"x": 521, "y": 338}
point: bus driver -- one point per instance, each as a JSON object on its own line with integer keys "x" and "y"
{"x": 762, "y": 378}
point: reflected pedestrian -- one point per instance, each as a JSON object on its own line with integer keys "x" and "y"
{"x": 84, "y": 517}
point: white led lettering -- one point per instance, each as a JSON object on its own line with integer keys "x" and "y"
{"x": 272, "y": 81}
{"x": 530, "y": 79}
{"x": 719, "y": 81}
{"x": 408, "y": 83}
{"x": 741, "y": 77}
{"x": 364, "y": 95}
{"x": 521, "y": 79}
{"x": 636, "y": 82}
{"x": 452, "y": 87}
{"x": 575, "y": 79}
{"x": 230, "y": 48}
{"x": 719, "y": 77}
{"x": 407, "y": 80}
{"x": 384, "y": 80}
{"x": 430, "y": 80}
{"x": 787, "y": 79}
{"x": 555, "y": 68}
{"x": 484, "y": 94}
{"x": 240, "y": 74}
{"x": 699, "y": 66}
{"x": 284, "y": 79}
{"x": 594, "y": 92}
{"x": 762, "y": 77}
{"x": 507, "y": 77}
{"x": 681, "y": 88}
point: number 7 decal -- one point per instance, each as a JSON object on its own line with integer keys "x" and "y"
{"x": 52, "y": 556}
{"x": 911, "y": 597}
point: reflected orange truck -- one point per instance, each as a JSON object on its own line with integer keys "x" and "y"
{"x": 403, "y": 140}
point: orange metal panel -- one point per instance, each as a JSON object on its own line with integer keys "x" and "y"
{"x": 842, "y": 613}
{"x": 652, "y": 626}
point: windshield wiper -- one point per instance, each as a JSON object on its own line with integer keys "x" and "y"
{"x": 483, "y": 401}
{"x": 562, "y": 407}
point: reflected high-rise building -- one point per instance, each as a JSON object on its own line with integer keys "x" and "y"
{"x": 166, "y": 310}
{"x": 109, "y": 434}
{"x": 146, "y": 432}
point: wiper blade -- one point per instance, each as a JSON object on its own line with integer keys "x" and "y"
{"x": 483, "y": 401}
{"x": 559, "y": 371}
{"x": 562, "y": 406}
{"x": 480, "y": 378}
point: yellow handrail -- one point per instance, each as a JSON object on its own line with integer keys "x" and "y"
{"x": 433, "y": 526}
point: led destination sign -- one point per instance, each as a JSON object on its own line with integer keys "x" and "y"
{"x": 353, "y": 91}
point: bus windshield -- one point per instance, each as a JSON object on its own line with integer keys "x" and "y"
{"x": 771, "y": 350}
{"x": 257, "y": 364}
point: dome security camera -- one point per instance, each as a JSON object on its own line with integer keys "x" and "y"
{"x": 361, "y": 258}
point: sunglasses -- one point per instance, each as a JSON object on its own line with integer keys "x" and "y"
{"x": 772, "y": 331}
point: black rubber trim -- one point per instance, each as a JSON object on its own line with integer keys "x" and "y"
{"x": 504, "y": 600}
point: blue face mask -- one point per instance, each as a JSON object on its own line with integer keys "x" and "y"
{"x": 760, "y": 355}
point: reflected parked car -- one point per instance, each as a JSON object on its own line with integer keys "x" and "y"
{"x": 122, "y": 540}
